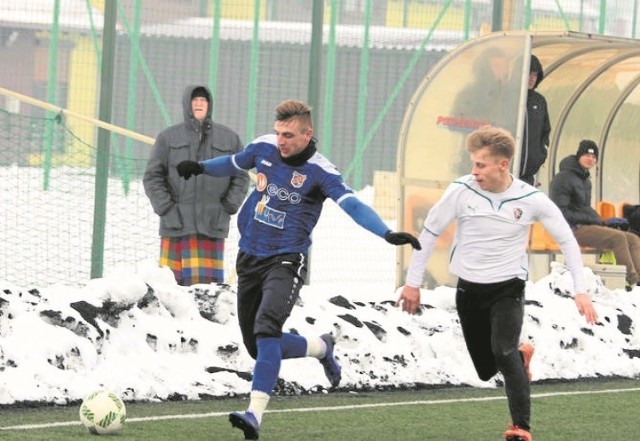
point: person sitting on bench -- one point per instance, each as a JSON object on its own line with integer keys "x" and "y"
{"x": 570, "y": 189}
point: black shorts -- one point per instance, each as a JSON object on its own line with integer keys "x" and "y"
{"x": 268, "y": 288}
{"x": 491, "y": 317}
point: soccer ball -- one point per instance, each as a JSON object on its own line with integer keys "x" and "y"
{"x": 102, "y": 412}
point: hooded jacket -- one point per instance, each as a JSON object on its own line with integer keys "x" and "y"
{"x": 536, "y": 129}
{"x": 570, "y": 189}
{"x": 203, "y": 204}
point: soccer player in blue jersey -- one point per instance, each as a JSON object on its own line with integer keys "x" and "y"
{"x": 293, "y": 180}
{"x": 493, "y": 212}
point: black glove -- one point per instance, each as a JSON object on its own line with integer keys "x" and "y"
{"x": 402, "y": 239}
{"x": 186, "y": 169}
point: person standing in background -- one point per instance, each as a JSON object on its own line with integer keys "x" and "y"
{"x": 194, "y": 215}
{"x": 535, "y": 139}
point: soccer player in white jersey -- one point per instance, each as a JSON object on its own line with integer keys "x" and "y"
{"x": 494, "y": 211}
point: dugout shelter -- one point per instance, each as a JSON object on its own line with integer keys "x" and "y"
{"x": 592, "y": 87}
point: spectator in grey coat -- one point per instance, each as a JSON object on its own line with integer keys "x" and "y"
{"x": 194, "y": 214}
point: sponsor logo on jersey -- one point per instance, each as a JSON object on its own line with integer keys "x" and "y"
{"x": 297, "y": 180}
{"x": 273, "y": 190}
{"x": 262, "y": 204}
{"x": 265, "y": 162}
{"x": 283, "y": 194}
{"x": 267, "y": 215}
{"x": 261, "y": 182}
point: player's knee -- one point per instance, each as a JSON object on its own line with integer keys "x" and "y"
{"x": 486, "y": 375}
{"x": 266, "y": 328}
{"x": 486, "y": 371}
{"x": 252, "y": 348}
{"x": 507, "y": 361}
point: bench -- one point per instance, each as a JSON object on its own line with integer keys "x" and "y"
{"x": 541, "y": 242}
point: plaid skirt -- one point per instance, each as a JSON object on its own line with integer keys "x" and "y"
{"x": 193, "y": 259}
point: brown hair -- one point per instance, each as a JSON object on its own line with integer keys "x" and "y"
{"x": 294, "y": 109}
{"x": 499, "y": 141}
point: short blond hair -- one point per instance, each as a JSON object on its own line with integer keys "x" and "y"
{"x": 498, "y": 141}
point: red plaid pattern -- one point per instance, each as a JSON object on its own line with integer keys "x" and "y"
{"x": 193, "y": 259}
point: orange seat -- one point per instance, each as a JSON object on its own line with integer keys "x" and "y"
{"x": 541, "y": 242}
{"x": 606, "y": 210}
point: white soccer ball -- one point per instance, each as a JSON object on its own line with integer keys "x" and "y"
{"x": 102, "y": 412}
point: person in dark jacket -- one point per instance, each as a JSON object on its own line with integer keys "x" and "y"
{"x": 195, "y": 214}
{"x": 535, "y": 139}
{"x": 571, "y": 191}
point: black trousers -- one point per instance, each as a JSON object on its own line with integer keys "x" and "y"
{"x": 491, "y": 318}
{"x": 268, "y": 288}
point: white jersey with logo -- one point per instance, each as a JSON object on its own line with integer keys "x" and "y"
{"x": 492, "y": 232}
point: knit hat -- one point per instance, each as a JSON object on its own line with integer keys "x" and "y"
{"x": 200, "y": 92}
{"x": 587, "y": 146}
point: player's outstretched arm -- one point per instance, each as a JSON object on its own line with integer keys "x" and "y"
{"x": 409, "y": 299}
{"x": 220, "y": 166}
{"x": 402, "y": 238}
{"x": 367, "y": 218}
{"x": 585, "y": 308}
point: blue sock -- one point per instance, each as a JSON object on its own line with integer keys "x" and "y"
{"x": 265, "y": 372}
{"x": 293, "y": 346}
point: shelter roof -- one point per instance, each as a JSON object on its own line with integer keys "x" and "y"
{"x": 300, "y": 33}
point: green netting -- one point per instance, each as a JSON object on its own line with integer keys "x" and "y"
{"x": 46, "y": 215}
{"x": 253, "y": 54}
